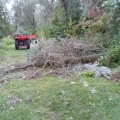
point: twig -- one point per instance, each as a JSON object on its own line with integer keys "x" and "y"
{"x": 41, "y": 68}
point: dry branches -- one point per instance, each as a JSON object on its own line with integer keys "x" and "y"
{"x": 61, "y": 55}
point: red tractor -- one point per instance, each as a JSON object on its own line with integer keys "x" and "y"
{"x": 22, "y": 40}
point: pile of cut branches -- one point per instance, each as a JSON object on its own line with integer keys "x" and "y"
{"x": 64, "y": 52}
{"x": 61, "y": 54}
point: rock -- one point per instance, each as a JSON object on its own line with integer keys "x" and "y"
{"x": 104, "y": 70}
{"x": 100, "y": 71}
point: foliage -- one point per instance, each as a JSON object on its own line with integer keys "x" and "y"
{"x": 95, "y": 13}
{"x": 115, "y": 19}
{"x": 4, "y": 23}
{"x": 73, "y": 9}
{"x": 58, "y": 22}
{"x": 71, "y": 30}
{"x": 113, "y": 57}
{"x": 102, "y": 24}
{"x": 8, "y": 41}
{"x": 46, "y": 32}
{"x": 97, "y": 24}
{"x": 97, "y": 27}
{"x": 20, "y": 30}
{"x": 28, "y": 30}
{"x": 87, "y": 73}
{"x": 24, "y": 14}
{"x": 63, "y": 21}
{"x": 104, "y": 40}
{"x": 4, "y": 43}
{"x": 116, "y": 38}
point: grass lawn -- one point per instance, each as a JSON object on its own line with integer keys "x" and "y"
{"x": 56, "y": 98}
{"x": 53, "y": 98}
{"x": 14, "y": 56}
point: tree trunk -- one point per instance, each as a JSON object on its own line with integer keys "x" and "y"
{"x": 71, "y": 60}
{"x": 83, "y": 59}
{"x": 64, "y": 5}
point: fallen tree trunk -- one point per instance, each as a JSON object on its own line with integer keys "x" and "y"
{"x": 83, "y": 59}
{"x": 70, "y": 60}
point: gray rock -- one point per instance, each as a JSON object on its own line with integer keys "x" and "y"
{"x": 98, "y": 70}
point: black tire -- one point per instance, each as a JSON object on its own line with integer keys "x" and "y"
{"x": 16, "y": 47}
{"x": 28, "y": 46}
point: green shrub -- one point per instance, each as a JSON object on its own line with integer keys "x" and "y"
{"x": 71, "y": 30}
{"x": 58, "y": 23}
{"x": 114, "y": 55}
{"x": 8, "y": 40}
{"x": 116, "y": 38}
{"x": 87, "y": 73}
{"x": 112, "y": 58}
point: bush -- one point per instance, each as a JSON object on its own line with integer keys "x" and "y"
{"x": 87, "y": 73}
{"x": 114, "y": 55}
{"x": 8, "y": 40}
{"x": 58, "y": 23}
{"x": 112, "y": 59}
{"x": 116, "y": 38}
{"x": 71, "y": 30}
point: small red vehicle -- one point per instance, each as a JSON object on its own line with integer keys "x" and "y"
{"x": 22, "y": 40}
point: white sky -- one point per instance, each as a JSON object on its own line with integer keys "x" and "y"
{"x": 9, "y": 5}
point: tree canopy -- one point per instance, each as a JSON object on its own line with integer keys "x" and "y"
{"x": 60, "y": 18}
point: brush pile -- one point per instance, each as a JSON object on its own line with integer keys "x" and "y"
{"x": 59, "y": 56}
{"x": 65, "y": 52}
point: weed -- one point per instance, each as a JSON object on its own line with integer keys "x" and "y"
{"x": 87, "y": 73}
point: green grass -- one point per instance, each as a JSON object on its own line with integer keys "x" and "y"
{"x": 55, "y": 98}
{"x": 14, "y": 56}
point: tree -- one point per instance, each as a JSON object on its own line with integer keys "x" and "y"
{"x": 24, "y": 14}
{"x": 4, "y": 20}
{"x": 63, "y": 12}
{"x": 116, "y": 18}
{"x": 64, "y": 5}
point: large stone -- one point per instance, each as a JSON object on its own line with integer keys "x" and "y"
{"x": 98, "y": 70}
